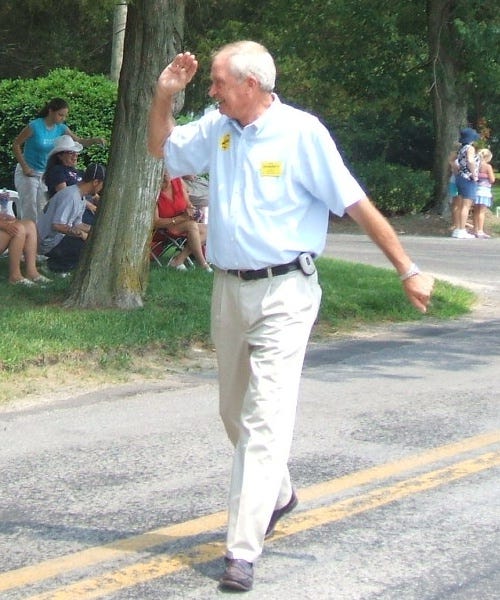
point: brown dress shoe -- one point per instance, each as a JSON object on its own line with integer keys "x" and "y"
{"x": 281, "y": 512}
{"x": 238, "y": 575}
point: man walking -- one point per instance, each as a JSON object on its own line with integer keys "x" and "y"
{"x": 274, "y": 175}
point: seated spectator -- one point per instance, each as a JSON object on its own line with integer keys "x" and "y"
{"x": 175, "y": 213}
{"x": 19, "y": 237}
{"x": 61, "y": 230}
{"x": 62, "y": 170}
{"x": 91, "y": 205}
{"x": 197, "y": 189}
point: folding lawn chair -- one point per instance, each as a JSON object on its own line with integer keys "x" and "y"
{"x": 164, "y": 247}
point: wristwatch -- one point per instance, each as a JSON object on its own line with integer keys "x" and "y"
{"x": 412, "y": 271}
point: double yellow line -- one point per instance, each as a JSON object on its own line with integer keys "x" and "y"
{"x": 165, "y": 564}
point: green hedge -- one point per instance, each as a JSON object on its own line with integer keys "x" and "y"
{"x": 91, "y": 99}
{"x": 395, "y": 189}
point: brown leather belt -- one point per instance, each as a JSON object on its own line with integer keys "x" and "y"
{"x": 266, "y": 272}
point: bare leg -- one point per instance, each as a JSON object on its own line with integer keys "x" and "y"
{"x": 479, "y": 214}
{"x": 464, "y": 212}
{"x": 15, "y": 246}
{"x": 455, "y": 211}
{"x": 196, "y": 237}
{"x": 30, "y": 248}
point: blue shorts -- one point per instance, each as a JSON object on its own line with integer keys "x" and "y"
{"x": 466, "y": 187}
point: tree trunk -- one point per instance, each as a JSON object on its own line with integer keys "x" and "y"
{"x": 114, "y": 268}
{"x": 449, "y": 97}
{"x": 119, "y": 24}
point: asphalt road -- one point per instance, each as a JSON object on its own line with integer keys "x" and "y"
{"x": 472, "y": 263}
{"x": 121, "y": 494}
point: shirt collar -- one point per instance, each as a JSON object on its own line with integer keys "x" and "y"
{"x": 260, "y": 122}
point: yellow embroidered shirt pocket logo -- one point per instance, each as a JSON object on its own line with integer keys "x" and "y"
{"x": 225, "y": 141}
{"x": 271, "y": 169}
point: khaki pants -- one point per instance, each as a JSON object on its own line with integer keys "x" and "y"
{"x": 260, "y": 329}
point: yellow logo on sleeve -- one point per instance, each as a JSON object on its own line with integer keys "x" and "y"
{"x": 225, "y": 141}
{"x": 271, "y": 169}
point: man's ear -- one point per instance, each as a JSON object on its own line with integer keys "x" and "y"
{"x": 252, "y": 82}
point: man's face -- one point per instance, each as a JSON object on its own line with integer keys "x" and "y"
{"x": 98, "y": 185}
{"x": 228, "y": 91}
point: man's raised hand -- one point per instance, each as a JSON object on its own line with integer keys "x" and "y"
{"x": 175, "y": 77}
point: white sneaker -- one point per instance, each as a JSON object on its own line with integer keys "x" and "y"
{"x": 454, "y": 233}
{"x": 181, "y": 267}
{"x": 463, "y": 235}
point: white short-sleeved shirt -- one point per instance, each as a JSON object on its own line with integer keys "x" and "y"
{"x": 66, "y": 207}
{"x": 272, "y": 184}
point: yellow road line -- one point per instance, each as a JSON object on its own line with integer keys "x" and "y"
{"x": 163, "y": 565}
{"x": 381, "y": 496}
{"x": 108, "y": 552}
{"x": 387, "y": 470}
{"x": 120, "y": 548}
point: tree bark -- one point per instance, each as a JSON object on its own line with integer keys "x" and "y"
{"x": 449, "y": 97}
{"x": 114, "y": 268}
{"x": 119, "y": 24}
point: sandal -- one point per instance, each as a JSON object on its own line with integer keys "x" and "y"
{"x": 23, "y": 281}
{"x": 41, "y": 279}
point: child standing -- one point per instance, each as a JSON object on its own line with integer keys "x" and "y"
{"x": 484, "y": 197}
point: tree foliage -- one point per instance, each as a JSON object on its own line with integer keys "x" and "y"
{"x": 91, "y": 99}
{"x": 38, "y": 36}
{"x": 457, "y": 59}
{"x": 368, "y": 69}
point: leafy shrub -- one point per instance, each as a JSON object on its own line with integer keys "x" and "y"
{"x": 395, "y": 189}
{"x": 91, "y": 99}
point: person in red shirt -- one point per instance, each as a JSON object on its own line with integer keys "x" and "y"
{"x": 175, "y": 213}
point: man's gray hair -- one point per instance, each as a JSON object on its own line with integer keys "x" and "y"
{"x": 250, "y": 58}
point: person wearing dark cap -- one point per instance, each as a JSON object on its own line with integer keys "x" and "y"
{"x": 466, "y": 180}
{"x": 61, "y": 231}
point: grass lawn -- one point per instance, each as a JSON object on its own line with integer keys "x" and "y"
{"x": 43, "y": 344}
